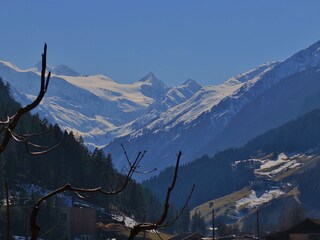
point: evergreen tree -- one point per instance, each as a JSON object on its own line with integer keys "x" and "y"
{"x": 198, "y": 224}
{"x": 183, "y": 222}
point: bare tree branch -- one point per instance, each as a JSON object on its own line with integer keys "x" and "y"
{"x": 80, "y": 192}
{"x": 159, "y": 236}
{"x": 182, "y": 209}
{"x": 83, "y": 196}
{"x": 8, "y": 126}
{"x": 125, "y": 154}
{"x": 6, "y": 122}
{"x": 26, "y": 135}
{"x": 147, "y": 172}
{"x": 160, "y": 222}
{"x": 169, "y": 191}
{"x": 41, "y": 152}
{"x": 22, "y": 138}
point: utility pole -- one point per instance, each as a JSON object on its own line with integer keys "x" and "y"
{"x": 144, "y": 220}
{"x": 8, "y": 236}
{"x": 26, "y": 220}
{"x": 258, "y": 225}
{"x": 213, "y": 223}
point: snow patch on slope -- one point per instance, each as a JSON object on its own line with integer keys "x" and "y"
{"x": 284, "y": 162}
{"x": 108, "y": 89}
{"x": 257, "y": 198}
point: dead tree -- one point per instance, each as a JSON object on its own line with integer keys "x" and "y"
{"x": 7, "y": 127}
{"x": 160, "y": 223}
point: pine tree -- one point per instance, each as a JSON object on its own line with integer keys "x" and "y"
{"x": 198, "y": 224}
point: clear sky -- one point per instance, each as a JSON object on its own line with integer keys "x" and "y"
{"x": 206, "y": 40}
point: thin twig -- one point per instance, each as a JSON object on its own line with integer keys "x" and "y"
{"x": 125, "y": 154}
{"x": 82, "y": 196}
{"x": 159, "y": 223}
{"x": 158, "y": 235}
{"x": 35, "y": 228}
{"x": 182, "y": 209}
{"x": 11, "y": 123}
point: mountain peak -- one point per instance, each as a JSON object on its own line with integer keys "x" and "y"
{"x": 191, "y": 81}
{"x": 59, "y": 70}
{"x": 150, "y": 77}
{"x": 192, "y": 84}
{"x": 152, "y": 86}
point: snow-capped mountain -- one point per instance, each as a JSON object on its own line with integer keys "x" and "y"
{"x": 96, "y": 107}
{"x": 196, "y": 125}
{"x": 152, "y": 87}
{"x": 172, "y": 97}
{"x": 147, "y": 114}
{"x": 58, "y": 70}
{"x": 175, "y": 126}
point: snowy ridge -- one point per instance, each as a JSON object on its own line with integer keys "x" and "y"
{"x": 178, "y": 125}
{"x": 95, "y": 107}
{"x": 147, "y": 112}
{"x": 181, "y": 93}
{"x": 244, "y": 77}
{"x": 127, "y": 94}
{"x": 174, "y": 96}
{"x": 196, "y": 123}
{"x": 57, "y": 70}
{"x": 203, "y": 101}
{"x": 307, "y": 58}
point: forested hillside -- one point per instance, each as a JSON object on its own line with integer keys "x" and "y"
{"x": 70, "y": 163}
{"x": 217, "y": 176}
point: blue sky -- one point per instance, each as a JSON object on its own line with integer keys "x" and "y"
{"x": 207, "y": 40}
